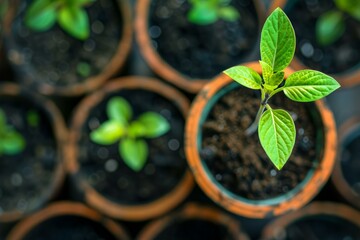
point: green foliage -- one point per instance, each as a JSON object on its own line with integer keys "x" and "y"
{"x": 133, "y": 149}
{"x": 33, "y": 118}
{"x": 277, "y": 132}
{"x": 330, "y": 26}
{"x": 11, "y": 141}
{"x": 70, "y": 15}
{"x": 204, "y": 12}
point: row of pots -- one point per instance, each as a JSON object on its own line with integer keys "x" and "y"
{"x": 170, "y": 45}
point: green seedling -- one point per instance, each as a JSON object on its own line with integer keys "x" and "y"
{"x": 32, "y": 118}
{"x": 133, "y": 149}
{"x": 331, "y": 25}
{"x": 69, "y": 14}
{"x": 11, "y": 141}
{"x": 204, "y": 12}
{"x": 276, "y": 127}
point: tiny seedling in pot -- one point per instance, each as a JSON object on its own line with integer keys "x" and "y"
{"x": 130, "y": 134}
{"x": 11, "y": 141}
{"x": 204, "y": 12}
{"x": 331, "y": 25}
{"x": 276, "y": 127}
{"x": 70, "y": 15}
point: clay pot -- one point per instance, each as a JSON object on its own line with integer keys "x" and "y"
{"x": 116, "y": 206}
{"x": 35, "y": 174}
{"x": 192, "y": 220}
{"x": 27, "y": 74}
{"x": 163, "y": 67}
{"x": 315, "y": 178}
{"x": 56, "y": 217}
{"x": 345, "y": 172}
{"x": 324, "y": 220}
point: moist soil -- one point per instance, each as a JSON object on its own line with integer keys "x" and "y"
{"x": 239, "y": 163}
{"x": 26, "y": 178}
{"x": 105, "y": 171}
{"x": 69, "y": 228}
{"x": 58, "y": 59}
{"x": 202, "y": 51}
{"x": 320, "y": 227}
{"x": 194, "y": 229}
{"x": 341, "y": 56}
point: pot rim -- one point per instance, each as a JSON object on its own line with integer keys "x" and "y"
{"x": 254, "y": 208}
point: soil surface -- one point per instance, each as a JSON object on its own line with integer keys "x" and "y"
{"x": 341, "y": 56}
{"x": 56, "y": 58}
{"x": 25, "y": 178}
{"x": 105, "y": 171}
{"x": 69, "y": 228}
{"x": 194, "y": 229}
{"x": 202, "y": 51}
{"x": 239, "y": 163}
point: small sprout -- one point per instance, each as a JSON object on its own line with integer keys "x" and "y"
{"x": 276, "y": 126}
{"x": 70, "y": 15}
{"x": 330, "y": 26}
{"x": 11, "y": 141}
{"x": 32, "y": 118}
{"x": 120, "y": 127}
{"x": 204, "y": 12}
{"x": 83, "y": 69}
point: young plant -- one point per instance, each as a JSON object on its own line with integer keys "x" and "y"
{"x": 70, "y": 15}
{"x": 276, "y": 127}
{"x": 204, "y": 12}
{"x": 133, "y": 149}
{"x": 11, "y": 141}
{"x": 331, "y": 25}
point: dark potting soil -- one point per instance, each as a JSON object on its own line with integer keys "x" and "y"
{"x": 202, "y": 51}
{"x": 54, "y": 57}
{"x": 194, "y": 229}
{"x": 320, "y": 227}
{"x": 104, "y": 169}
{"x": 239, "y": 163}
{"x": 336, "y": 58}
{"x": 26, "y": 178}
{"x": 350, "y": 156}
{"x": 69, "y": 228}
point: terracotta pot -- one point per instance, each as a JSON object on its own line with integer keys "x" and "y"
{"x": 294, "y": 199}
{"x": 89, "y": 84}
{"x": 194, "y": 212}
{"x": 348, "y": 134}
{"x": 160, "y": 65}
{"x": 112, "y": 207}
{"x": 19, "y": 97}
{"x": 325, "y": 212}
{"x": 38, "y": 222}
{"x": 347, "y": 78}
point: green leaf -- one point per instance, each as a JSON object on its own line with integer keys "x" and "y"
{"x": 75, "y": 21}
{"x": 136, "y": 129}
{"x": 276, "y": 79}
{"x": 2, "y": 120}
{"x": 41, "y": 15}
{"x": 277, "y": 44}
{"x": 13, "y": 143}
{"x": 267, "y": 71}
{"x": 81, "y": 2}
{"x": 245, "y": 76}
{"x": 309, "y": 85}
{"x": 108, "y": 133}
{"x": 352, "y": 7}
{"x": 154, "y": 124}
{"x": 119, "y": 109}
{"x": 277, "y": 135}
{"x": 134, "y": 152}
{"x": 203, "y": 13}
{"x": 329, "y": 27}
{"x": 229, "y": 13}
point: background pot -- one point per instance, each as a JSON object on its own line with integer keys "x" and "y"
{"x": 41, "y": 160}
{"x": 162, "y": 66}
{"x": 67, "y": 218}
{"x": 194, "y": 221}
{"x": 29, "y": 76}
{"x": 109, "y": 205}
{"x": 294, "y": 199}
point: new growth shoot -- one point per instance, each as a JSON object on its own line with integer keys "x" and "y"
{"x": 276, "y": 127}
